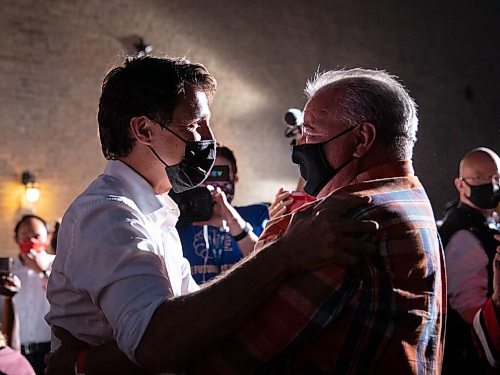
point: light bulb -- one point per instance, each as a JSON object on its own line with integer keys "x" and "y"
{"x": 32, "y": 193}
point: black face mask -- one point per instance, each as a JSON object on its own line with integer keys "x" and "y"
{"x": 193, "y": 169}
{"x": 484, "y": 196}
{"x": 314, "y": 167}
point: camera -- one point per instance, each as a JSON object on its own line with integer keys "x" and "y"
{"x": 194, "y": 204}
{"x": 5, "y": 265}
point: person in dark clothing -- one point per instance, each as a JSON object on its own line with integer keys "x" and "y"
{"x": 467, "y": 233}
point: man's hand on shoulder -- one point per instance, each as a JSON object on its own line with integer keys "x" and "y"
{"x": 316, "y": 237}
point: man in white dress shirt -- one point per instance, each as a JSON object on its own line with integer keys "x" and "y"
{"x": 119, "y": 273}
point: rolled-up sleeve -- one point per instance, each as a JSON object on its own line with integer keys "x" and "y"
{"x": 120, "y": 269}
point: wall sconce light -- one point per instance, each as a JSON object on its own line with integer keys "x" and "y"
{"x": 32, "y": 193}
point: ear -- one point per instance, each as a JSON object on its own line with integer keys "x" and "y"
{"x": 459, "y": 184}
{"x": 141, "y": 129}
{"x": 236, "y": 178}
{"x": 364, "y": 137}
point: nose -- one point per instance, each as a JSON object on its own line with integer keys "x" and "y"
{"x": 301, "y": 138}
{"x": 205, "y": 131}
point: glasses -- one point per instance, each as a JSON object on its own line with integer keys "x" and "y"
{"x": 480, "y": 180}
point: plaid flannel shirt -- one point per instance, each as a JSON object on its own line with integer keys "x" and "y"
{"x": 384, "y": 315}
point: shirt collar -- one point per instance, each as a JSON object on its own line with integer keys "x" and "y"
{"x": 140, "y": 190}
{"x": 398, "y": 168}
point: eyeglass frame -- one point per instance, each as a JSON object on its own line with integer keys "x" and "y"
{"x": 480, "y": 180}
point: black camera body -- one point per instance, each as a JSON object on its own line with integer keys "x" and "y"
{"x": 195, "y": 204}
{"x": 5, "y": 265}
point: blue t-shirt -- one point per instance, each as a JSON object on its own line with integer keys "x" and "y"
{"x": 222, "y": 250}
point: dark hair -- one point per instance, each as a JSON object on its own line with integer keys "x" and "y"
{"x": 227, "y": 153}
{"x": 144, "y": 86}
{"x": 26, "y": 218}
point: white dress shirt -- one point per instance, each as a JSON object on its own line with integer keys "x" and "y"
{"x": 467, "y": 271}
{"x": 30, "y": 303}
{"x": 119, "y": 257}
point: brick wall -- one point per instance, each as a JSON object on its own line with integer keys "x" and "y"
{"x": 53, "y": 55}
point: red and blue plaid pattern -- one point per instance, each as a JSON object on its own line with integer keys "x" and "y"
{"x": 384, "y": 315}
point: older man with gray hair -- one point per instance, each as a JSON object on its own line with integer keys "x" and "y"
{"x": 385, "y": 314}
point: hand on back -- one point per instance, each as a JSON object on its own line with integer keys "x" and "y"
{"x": 318, "y": 237}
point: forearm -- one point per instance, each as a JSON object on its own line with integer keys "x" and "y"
{"x": 247, "y": 244}
{"x": 308, "y": 299}
{"x": 183, "y": 327}
{"x": 8, "y": 319}
{"x": 236, "y": 226}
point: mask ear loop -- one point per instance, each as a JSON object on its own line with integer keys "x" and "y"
{"x": 163, "y": 127}
{"x": 468, "y": 185}
{"x": 338, "y": 136}
{"x": 158, "y": 156}
{"x": 178, "y": 136}
{"x": 341, "y": 134}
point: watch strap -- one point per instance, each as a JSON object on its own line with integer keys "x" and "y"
{"x": 247, "y": 229}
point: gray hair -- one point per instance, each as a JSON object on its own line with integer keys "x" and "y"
{"x": 376, "y": 97}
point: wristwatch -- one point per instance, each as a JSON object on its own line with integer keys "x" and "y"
{"x": 247, "y": 229}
